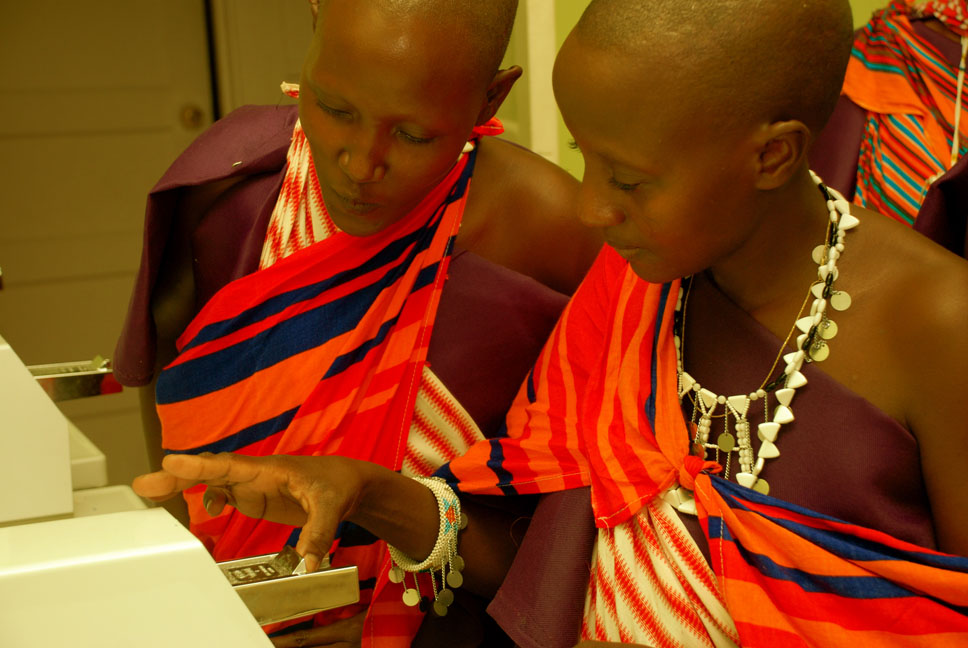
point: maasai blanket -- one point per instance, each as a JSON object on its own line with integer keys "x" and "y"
{"x": 909, "y": 90}
{"x": 651, "y": 585}
{"x": 601, "y": 408}
{"x": 314, "y": 354}
{"x": 953, "y": 13}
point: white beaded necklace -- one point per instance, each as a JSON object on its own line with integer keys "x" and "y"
{"x": 815, "y": 329}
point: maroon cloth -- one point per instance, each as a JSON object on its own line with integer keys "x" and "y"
{"x": 541, "y": 601}
{"x": 491, "y": 321}
{"x": 945, "y": 208}
{"x": 835, "y": 153}
{"x": 841, "y": 456}
{"x": 219, "y": 153}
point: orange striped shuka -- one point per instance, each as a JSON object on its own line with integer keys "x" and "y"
{"x": 601, "y": 408}
{"x": 909, "y": 91}
{"x": 323, "y": 351}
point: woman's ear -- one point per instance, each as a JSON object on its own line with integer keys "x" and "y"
{"x": 782, "y": 150}
{"x": 498, "y": 91}
{"x": 314, "y": 9}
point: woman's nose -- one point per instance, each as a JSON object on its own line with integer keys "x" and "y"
{"x": 363, "y": 160}
{"x": 595, "y": 209}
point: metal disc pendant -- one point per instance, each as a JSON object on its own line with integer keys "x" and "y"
{"x": 445, "y": 597}
{"x": 726, "y": 442}
{"x": 762, "y": 486}
{"x": 817, "y": 254}
{"x": 439, "y": 608}
{"x": 828, "y": 329}
{"x": 840, "y": 300}
{"x": 463, "y": 520}
{"x": 457, "y": 563}
{"x": 819, "y": 352}
{"x": 411, "y": 597}
{"x": 455, "y": 579}
{"x": 396, "y": 574}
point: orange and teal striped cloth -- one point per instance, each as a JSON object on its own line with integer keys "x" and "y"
{"x": 320, "y": 353}
{"x": 601, "y": 408}
{"x": 909, "y": 91}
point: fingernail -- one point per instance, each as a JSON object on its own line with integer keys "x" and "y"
{"x": 312, "y": 562}
{"x": 208, "y": 501}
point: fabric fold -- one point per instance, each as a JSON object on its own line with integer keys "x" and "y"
{"x": 585, "y": 416}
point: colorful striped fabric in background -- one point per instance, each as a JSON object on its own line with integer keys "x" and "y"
{"x": 910, "y": 92}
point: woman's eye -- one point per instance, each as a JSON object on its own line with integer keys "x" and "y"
{"x": 622, "y": 186}
{"x": 414, "y": 139}
{"x": 342, "y": 114}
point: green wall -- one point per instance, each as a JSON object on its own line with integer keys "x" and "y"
{"x": 567, "y": 13}
{"x": 864, "y": 8}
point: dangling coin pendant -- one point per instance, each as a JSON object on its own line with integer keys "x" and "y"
{"x": 455, "y": 579}
{"x": 828, "y": 329}
{"x": 726, "y": 442}
{"x": 396, "y": 574}
{"x": 819, "y": 351}
{"x": 817, "y": 254}
{"x": 762, "y": 486}
{"x": 411, "y": 597}
{"x": 445, "y": 597}
{"x": 840, "y": 300}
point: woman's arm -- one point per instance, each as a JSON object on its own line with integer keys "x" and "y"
{"x": 318, "y": 493}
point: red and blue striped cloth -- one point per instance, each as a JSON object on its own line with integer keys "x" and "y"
{"x": 320, "y": 353}
{"x": 909, "y": 90}
{"x": 601, "y": 408}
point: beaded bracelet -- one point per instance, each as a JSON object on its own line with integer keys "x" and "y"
{"x": 442, "y": 558}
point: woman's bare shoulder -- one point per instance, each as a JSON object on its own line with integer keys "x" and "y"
{"x": 523, "y": 213}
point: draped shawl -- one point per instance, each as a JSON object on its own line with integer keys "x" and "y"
{"x": 601, "y": 408}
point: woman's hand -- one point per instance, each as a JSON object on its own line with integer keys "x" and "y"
{"x": 316, "y": 493}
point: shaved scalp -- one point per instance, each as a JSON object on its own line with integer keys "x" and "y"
{"x": 484, "y": 24}
{"x": 745, "y": 61}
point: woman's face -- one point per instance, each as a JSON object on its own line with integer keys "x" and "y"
{"x": 387, "y": 106}
{"x": 666, "y": 193}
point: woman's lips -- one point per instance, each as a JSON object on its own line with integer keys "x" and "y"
{"x": 625, "y": 251}
{"x": 355, "y": 205}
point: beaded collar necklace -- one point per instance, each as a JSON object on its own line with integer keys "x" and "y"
{"x": 811, "y": 346}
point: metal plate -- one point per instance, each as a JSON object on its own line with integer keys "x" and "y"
{"x": 272, "y": 597}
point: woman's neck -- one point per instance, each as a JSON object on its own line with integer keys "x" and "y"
{"x": 775, "y": 264}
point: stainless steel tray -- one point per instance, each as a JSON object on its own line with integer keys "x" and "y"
{"x": 273, "y": 594}
{"x": 69, "y": 380}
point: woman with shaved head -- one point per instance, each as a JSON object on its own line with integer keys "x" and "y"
{"x": 748, "y": 421}
{"x": 361, "y": 281}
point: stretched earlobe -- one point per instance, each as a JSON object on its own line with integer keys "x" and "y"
{"x": 782, "y": 152}
{"x": 498, "y": 91}
{"x": 314, "y": 9}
